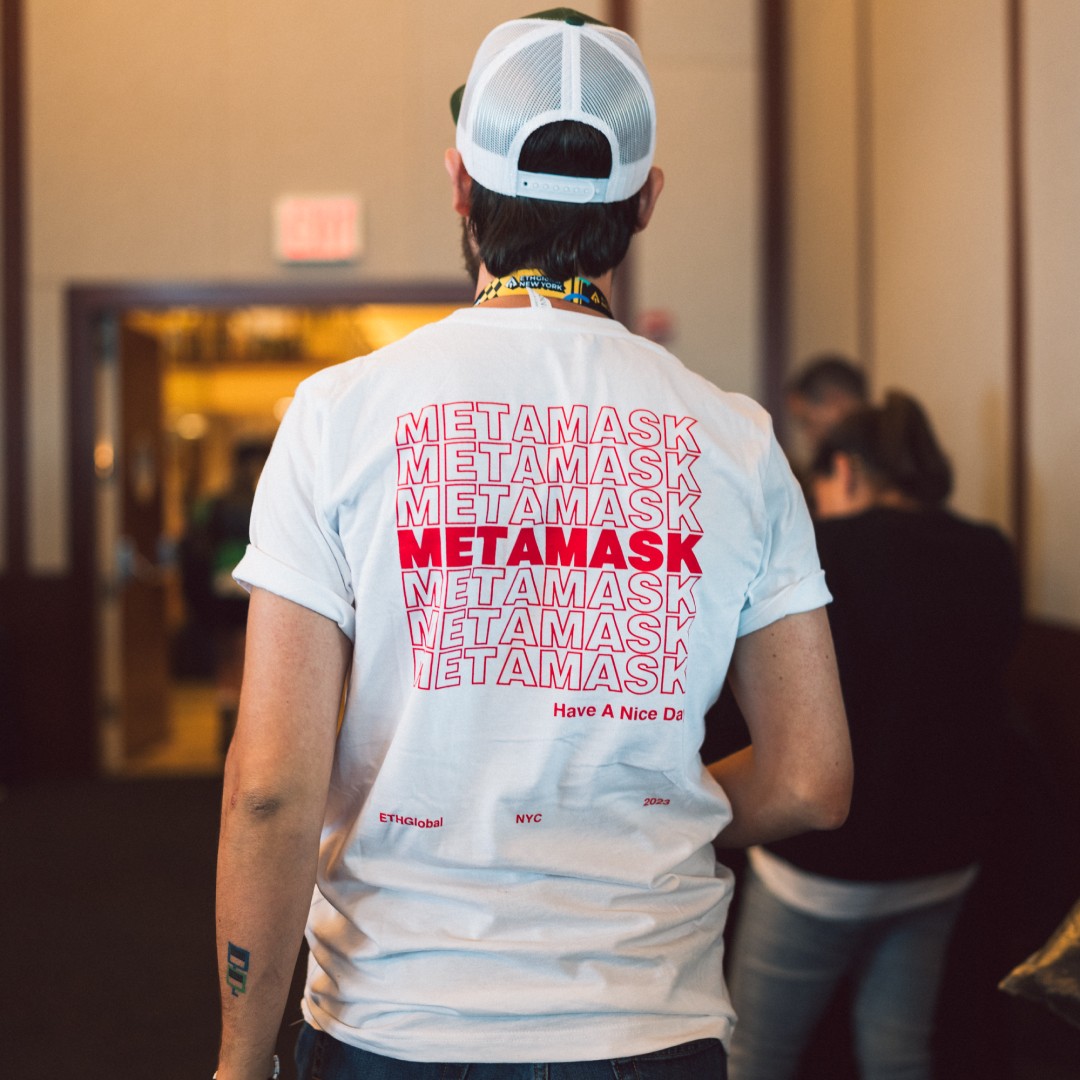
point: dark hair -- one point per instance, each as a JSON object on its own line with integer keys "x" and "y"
{"x": 830, "y": 371}
{"x": 896, "y": 446}
{"x": 561, "y": 239}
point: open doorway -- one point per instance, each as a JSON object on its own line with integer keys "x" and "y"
{"x": 187, "y": 398}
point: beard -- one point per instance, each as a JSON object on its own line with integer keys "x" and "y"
{"x": 469, "y": 252}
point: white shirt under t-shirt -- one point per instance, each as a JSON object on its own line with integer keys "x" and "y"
{"x": 543, "y": 536}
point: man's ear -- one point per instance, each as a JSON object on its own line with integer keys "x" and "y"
{"x": 647, "y": 196}
{"x": 460, "y": 182}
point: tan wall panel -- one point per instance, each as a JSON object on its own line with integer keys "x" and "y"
{"x": 823, "y": 179}
{"x": 1052, "y": 124}
{"x": 128, "y": 122}
{"x": 699, "y": 259}
{"x": 941, "y": 229}
{"x": 163, "y": 134}
{"x": 930, "y": 301}
{"x": 3, "y": 387}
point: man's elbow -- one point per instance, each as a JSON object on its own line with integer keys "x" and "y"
{"x": 831, "y": 813}
{"x": 256, "y": 794}
{"x": 258, "y": 804}
{"x": 828, "y": 803}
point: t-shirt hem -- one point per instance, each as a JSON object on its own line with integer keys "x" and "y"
{"x": 517, "y": 1041}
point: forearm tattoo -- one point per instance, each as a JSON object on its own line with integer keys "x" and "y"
{"x": 239, "y": 964}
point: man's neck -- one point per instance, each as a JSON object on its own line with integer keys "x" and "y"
{"x": 521, "y": 299}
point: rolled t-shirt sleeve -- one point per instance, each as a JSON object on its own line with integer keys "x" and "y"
{"x": 295, "y": 550}
{"x": 789, "y": 579}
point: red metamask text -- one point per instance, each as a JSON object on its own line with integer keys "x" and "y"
{"x": 551, "y": 547}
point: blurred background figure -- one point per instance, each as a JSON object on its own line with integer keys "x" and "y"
{"x": 825, "y": 390}
{"x": 925, "y": 615}
{"x": 656, "y": 324}
{"x": 215, "y": 542}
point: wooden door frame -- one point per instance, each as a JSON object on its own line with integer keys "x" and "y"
{"x": 13, "y": 278}
{"x": 89, "y": 304}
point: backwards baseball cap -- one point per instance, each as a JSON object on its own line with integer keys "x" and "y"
{"x": 556, "y": 65}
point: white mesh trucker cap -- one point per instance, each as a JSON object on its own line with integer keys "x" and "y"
{"x": 557, "y": 65}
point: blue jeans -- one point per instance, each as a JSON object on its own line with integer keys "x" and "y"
{"x": 786, "y": 965}
{"x": 320, "y": 1057}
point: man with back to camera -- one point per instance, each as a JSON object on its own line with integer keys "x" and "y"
{"x": 823, "y": 392}
{"x": 532, "y": 543}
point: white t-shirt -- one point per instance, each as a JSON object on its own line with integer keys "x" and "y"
{"x": 543, "y": 536}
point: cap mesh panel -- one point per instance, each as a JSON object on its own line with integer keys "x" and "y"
{"x": 512, "y": 98}
{"x": 628, "y": 46}
{"x": 499, "y": 38}
{"x": 611, "y": 93}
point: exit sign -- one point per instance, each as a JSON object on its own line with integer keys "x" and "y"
{"x": 317, "y": 228}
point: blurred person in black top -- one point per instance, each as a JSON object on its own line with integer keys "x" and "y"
{"x": 925, "y": 615}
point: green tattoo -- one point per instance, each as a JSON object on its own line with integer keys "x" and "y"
{"x": 239, "y": 961}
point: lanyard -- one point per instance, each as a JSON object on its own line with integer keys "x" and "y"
{"x": 577, "y": 290}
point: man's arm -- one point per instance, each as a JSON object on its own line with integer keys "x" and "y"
{"x": 796, "y": 774}
{"x": 276, "y": 779}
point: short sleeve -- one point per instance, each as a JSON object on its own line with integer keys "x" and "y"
{"x": 789, "y": 579}
{"x": 295, "y": 551}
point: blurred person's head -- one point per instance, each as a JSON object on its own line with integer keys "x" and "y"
{"x": 821, "y": 394}
{"x": 883, "y": 455}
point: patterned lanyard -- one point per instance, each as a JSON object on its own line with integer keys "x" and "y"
{"x": 577, "y": 290}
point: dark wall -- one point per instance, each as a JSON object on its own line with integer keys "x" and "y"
{"x": 48, "y": 723}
